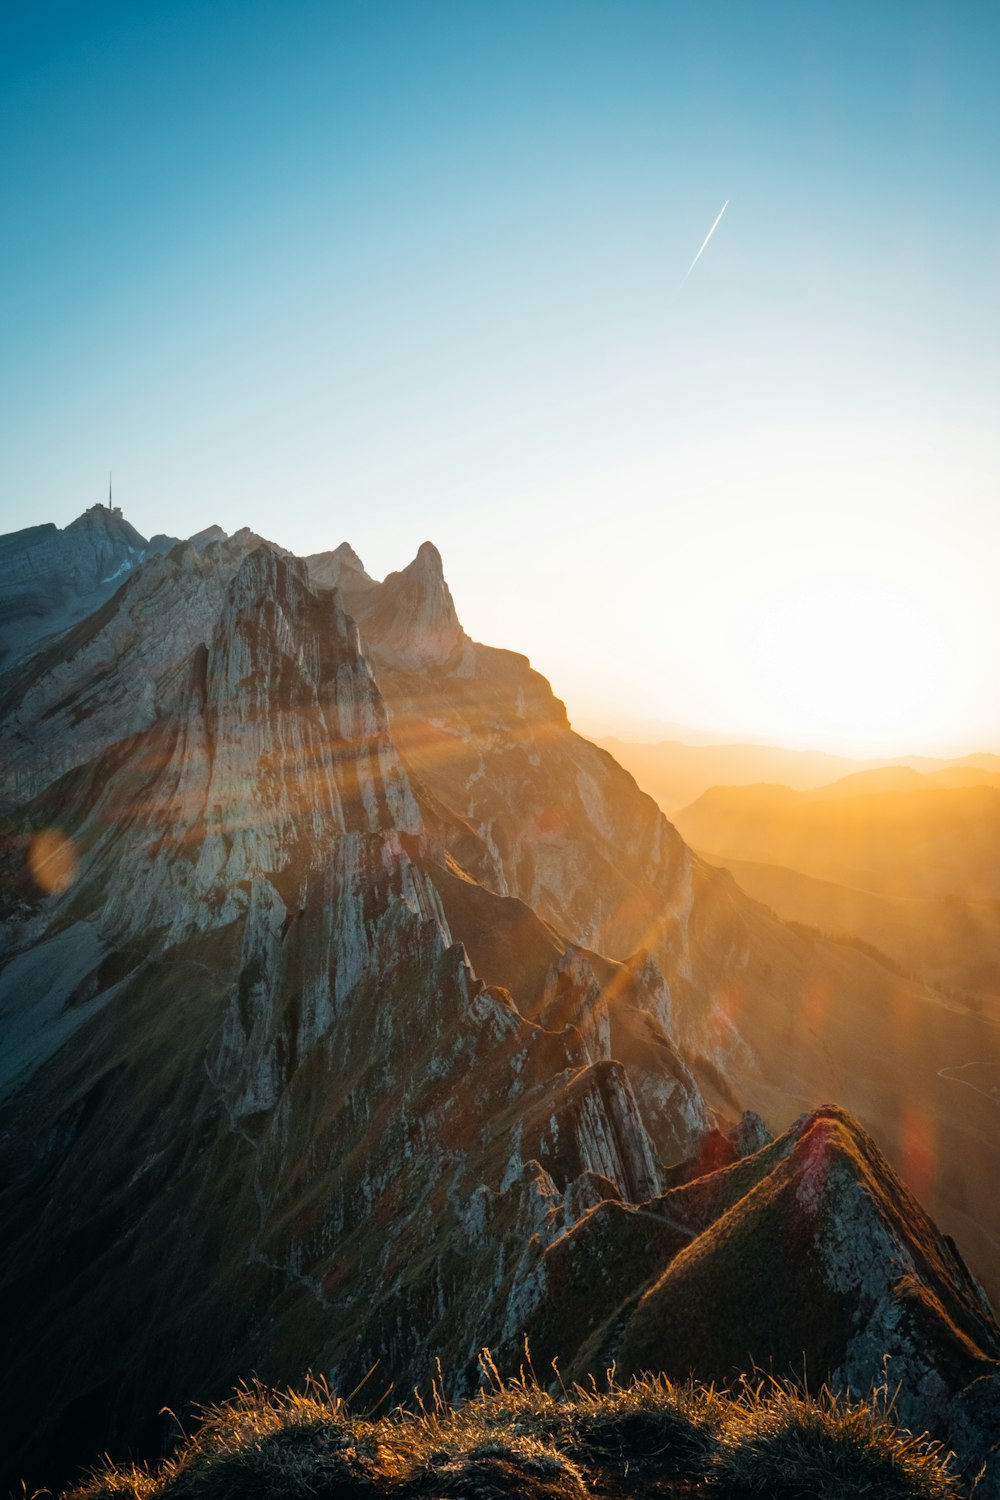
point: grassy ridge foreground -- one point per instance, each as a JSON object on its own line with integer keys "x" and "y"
{"x": 648, "y": 1438}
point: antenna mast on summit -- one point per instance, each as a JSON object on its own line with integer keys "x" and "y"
{"x": 109, "y": 489}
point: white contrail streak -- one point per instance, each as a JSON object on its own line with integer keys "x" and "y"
{"x": 705, "y": 241}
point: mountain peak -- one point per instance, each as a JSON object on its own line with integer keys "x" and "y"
{"x": 51, "y": 578}
{"x": 340, "y": 569}
{"x": 429, "y": 559}
{"x": 105, "y": 521}
{"x": 414, "y": 622}
{"x": 346, "y": 555}
{"x": 409, "y": 620}
{"x": 207, "y": 535}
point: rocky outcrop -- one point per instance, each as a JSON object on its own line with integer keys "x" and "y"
{"x": 50, "y": 578}
{"x": 341, "y": 569}
{"x": 809, "y": 1257}
{"x": 409, "y": 619}
{"x": 116, "y": 672}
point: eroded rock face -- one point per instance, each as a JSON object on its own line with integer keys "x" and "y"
{"x": 409, "y": 619}
{"x": 810, "y": 1249}
{"x": 50, "y": 578}
{"x": 769, "y": 1018}
{"x": 116, "y": 673}
{"x": 304, "y": 1118}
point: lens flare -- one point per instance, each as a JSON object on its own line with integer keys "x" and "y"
{"x": 918, "y": 1151}
{"x": 815, "y": 1003}
{"x": 52, "y": 861}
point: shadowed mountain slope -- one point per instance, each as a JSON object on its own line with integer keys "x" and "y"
{"x": 249, "y": 1066}
{"x": 809, "y": 1257}
{"x": 770, "y": 1018}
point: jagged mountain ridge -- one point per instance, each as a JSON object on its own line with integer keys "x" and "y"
{"x": 50, "y": 578}
{"x": 863, "y": 1274}
{"x": 260, "y": 840}
{"x": 250, "y": 1010}
{"x": 771, "y": 1018}
{"x": 112, "y": 674}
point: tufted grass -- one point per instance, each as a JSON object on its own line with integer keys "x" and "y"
{"x": 786, "y": 1444}
{"x": 648, "y": 1437}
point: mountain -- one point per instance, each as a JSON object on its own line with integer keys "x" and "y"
{"x": 677, "y": 772}
{"x": 893, "y": 832}
{"x": 951, "y": 944}
{"x": 342, "y": 984}
{"x": 113, "y": 673}
{"x": 768, "y": 1018}
{"x": 899, "y": 861}
{"x": 256, "y": 1089}
{"x": 808, "y": 1255}
{"x": 51, "y": 578}
{"x": 902, "y": 865}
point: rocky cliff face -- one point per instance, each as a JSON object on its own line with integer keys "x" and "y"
{"x": 114, "y": 673}
{"x": 247, "y": 1011}
{"x": 49, "y": 578}
{"x": 409, "y": 619}
{"x": 808, "y": 1256}
{"x": 341, "y": 995}
{"x": 769, "y": 1018}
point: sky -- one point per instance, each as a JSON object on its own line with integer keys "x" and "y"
{"x": 410, "y": 269}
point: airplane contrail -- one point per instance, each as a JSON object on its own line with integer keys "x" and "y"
{"x": 705, "y": 241}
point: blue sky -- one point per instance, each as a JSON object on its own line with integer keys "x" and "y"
{"x": 392, "y": 270}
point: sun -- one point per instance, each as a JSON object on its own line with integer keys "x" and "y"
{"x": 847, "y": 661}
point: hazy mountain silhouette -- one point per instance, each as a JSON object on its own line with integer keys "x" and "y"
{"x": 893, "y": 832}
{"x": 676, "y": 772}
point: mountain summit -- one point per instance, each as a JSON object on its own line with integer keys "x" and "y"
{"x": 49, "y": 579}
{"x": 409, "y": 619}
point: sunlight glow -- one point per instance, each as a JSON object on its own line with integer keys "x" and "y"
{"x": 847, "y": 660}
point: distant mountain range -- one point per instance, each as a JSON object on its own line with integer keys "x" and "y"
{"x": 353, "y": 1008}
{"x": 678, "y": 771}
{"x": 893, "y": 832}
{"x": 906, "y": 863}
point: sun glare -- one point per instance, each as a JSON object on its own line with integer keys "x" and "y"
{"x": 849, "y": 663}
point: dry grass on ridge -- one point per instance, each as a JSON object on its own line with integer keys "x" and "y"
{"x": 648, "y": 1438}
